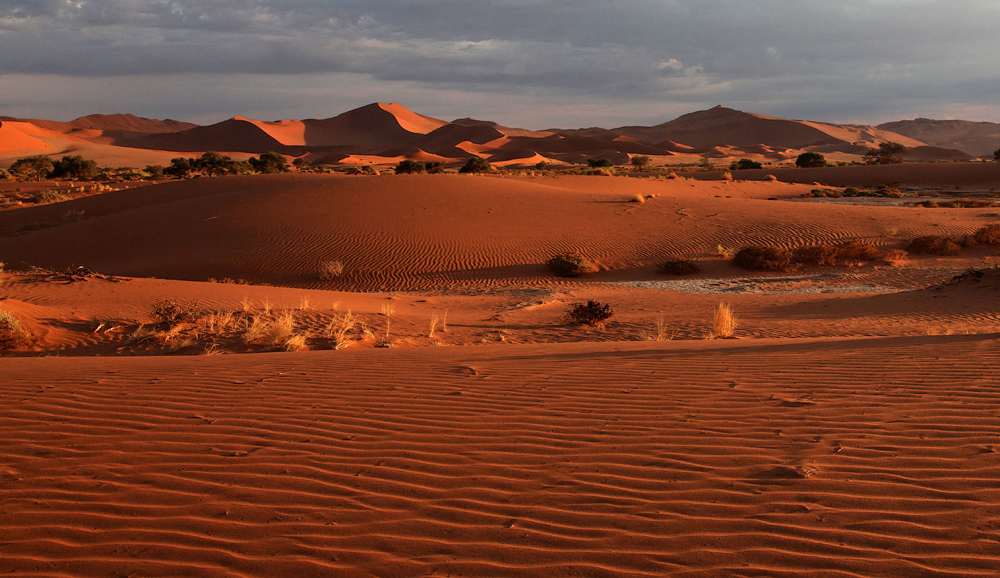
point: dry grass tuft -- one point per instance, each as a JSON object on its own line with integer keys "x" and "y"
{"x": 757, "y": 258}
{"x": 724, "y": 323}
{"x": 593, "y": 313}
{"x": 638, "y": 199}
{"x": 12, "y": 332}
{"x": 330, "y": 270}
{"x": 660, "y": 332}
{"x": 388, "y": 309}
{"x": 772, "y": 178}
{"x": 339, "y": 329}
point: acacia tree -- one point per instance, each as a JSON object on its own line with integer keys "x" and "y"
{"x": 810, "y": 160}
{"x": 74, "y": 167}
{"x": 269, "y": 163}
{"x": 476, "y": 165}
{"x": 34, "y": 167}
{"x": 640, "y": 162}
{"x": 213, "y": 163}
{"x": 887, "y": 153}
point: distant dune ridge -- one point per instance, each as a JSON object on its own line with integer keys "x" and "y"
{"x": 389, "y": 132}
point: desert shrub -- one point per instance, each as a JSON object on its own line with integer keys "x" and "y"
{"x": 179, "y": 168}
{"x": 476, "y": 165}
{"x": 772, "y": 178}
{"x": 679, "y": 267}
{"x": 214, "y": 163}
{"x": 934, "y": 245}
{"x": 723, "y": 323}
{"x": 637, "y": 198}
{"x": 570, "y": 265}
{"x": 170, "y": 311}
{"x": 269, "y": 163}
{"x": 859, "y": 251}
{"x": 744, "y": 164}
{"x": 810, "y": 160}
{"x": 894, "y": 256}
{"x": 816, "y": 255}
{"x": 434, "y": 167}
{"x": 757, "y": 258}
{"x": 12, "y": 333}
{"x": 47, "y": 196}
{"x": 600, "y": 163}
{"x": 406, "y": 167}
{"x": 727, "y": 176}
{"x": 593, "y": 313}
{"x": 330, "y": 270}
{"x": 598, "y": 172}
{"x": 988, "y": 234}
{"x": 74, "y": 167}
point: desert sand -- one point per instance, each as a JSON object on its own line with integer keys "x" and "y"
{"x": 461, "y": 426}
{"x": 845, "y": 433}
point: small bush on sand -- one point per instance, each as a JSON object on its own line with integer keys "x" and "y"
{"x": 756, "y": 258}
{"x": 570, "y": 265}
{"x": 591, "y": 313}
{"x": 859, "y": 251}
{"x": 934, "y": 245}
{"x": 330, "y": 270}
{"x": 12, "y": 333}
{"x": 170, "y": 311}
{"x": 816, "y": 255}
{"x": 679, "y": 267}
{"x": 723, "y": 323}
{"x": 988, "y": 234}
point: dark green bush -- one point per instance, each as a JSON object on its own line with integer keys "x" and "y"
{"x": 570, "y": 265}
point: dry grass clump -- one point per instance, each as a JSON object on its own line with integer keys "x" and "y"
{"x": 570, "y": 265}
{"x": 987, "y": 235}
{"x": 338, "y": 330}
{"x": 727, "y": 176}
{"x": 679, "y": 266}
{"x": 330, "y": 270}
{"x": 724, "y": 323}
{"x": 934, "y": 245}
{"x": 845, "y": 253}
{"x": 816, "y": 255}
{"x": 637, "y": 199}
{"x": 593, "y": 313}
{"x": 660, "y": 332}
{"x": 171, "y": 311}
{"x": 758, "y": 258}
{"x": 12, "y": 332}
{"x": 771, "y": 178}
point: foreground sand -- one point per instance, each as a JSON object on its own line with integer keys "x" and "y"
{"x": 850, "y": 431}
{"x": 873, "y": 457}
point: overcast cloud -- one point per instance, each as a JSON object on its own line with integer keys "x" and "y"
{"x": 531, "y": 63}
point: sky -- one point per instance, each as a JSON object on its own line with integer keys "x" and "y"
{"x": 524, "y": 63}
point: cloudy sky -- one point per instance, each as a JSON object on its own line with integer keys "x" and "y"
{"x": 528, "y": 63}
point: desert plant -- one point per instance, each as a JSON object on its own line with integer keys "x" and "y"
{"x": 758, "y": 258}
{"x": 570, "y": 265}
{"x": 744, "y": 164}
{"x": 170, "y": 311}
{"x": 723, "y": 323}
{"x": 12, "y": 332}
{"x": 727, "y": 176}
{"x": 810, "y": 160}
{"x": 661, "y": 332}
{"x": 34, "y": 167}
{"x": 934, "y": 245}
{"x": 339, "y": 329}
{"x": 640, "y": 162}
{"x": 988, "y": 234}
{"x": 886, "y": 153}
{"x": 593, "y": 313}
{"x": 409, "y": 166}
{"x": 679, "y": 266}
{"x": 637, "y": 198}
{"x": 859, "y": 251}
{"x": 330, "y": 270}
{"x": 476, "y": 165}
{"x": 600, "y": 163}
{"x": 816, "y": 255}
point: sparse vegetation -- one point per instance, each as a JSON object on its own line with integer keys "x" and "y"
{"x": 810, "y": 160}
{"x": 886, "y": 153}
{"x": 600, "y": 163}
{"x": 988, "y": 234}
{"x": 660, "y": 332}
{"x": 758, "y": 258}
{"x": 679, "y": 266}
{"x": 570, "y": 265}
{"x": 12, "y": 332}
{"x": 592, "y": 313}
{"x": 934, "y": 245}
{"x": 724, "y": 323}
{"x": 744, "y": 164}
{"x": 476, "y": 165}
{"x": 895, "y": 257}
{"x": 330, "y": 270}
{"x": 407, "y": 167}
{"x": 640, "y": 162}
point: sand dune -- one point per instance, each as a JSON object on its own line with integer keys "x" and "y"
{"x": 420, "y": 231}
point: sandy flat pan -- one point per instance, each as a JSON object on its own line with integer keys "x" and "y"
{"x": 872, "y": 457}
